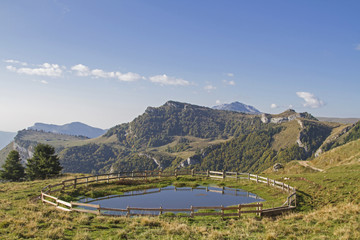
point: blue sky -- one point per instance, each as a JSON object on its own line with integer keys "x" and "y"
{"x": 104, "y": 62}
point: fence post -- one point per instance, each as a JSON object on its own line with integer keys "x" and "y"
{"x": 108, "y": 178}
{"x": 236, "y": 176}
{"x": 239, "y": 210}
{"x": 128, "y": 211}
{"x": 283, "y": 186}
{"x": 87, "y": 180}
{"x": 175, "y": 172}
{"x": 118, "y": 176}
{"x": 222, "y": 211}
{"x": 192, "y": 211}
{"x": 63, "y": 186}
{"x": 249, "y": 176}
{"x": 257, "y": 178}
{"x": 160, "y": 210}
{"x": 160, "y": 173}
{"x": 224, "y": 173}
{"x": 132, "y": 174}
{"x": 75, "y": 180}
{"x": 267, "y": 179}
{"x": 207, "y": 173}
{"x": 97, "y": 178}
{"x": 192, "y": 172}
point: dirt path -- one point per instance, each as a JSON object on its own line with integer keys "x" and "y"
{"x": 306, "y": 164}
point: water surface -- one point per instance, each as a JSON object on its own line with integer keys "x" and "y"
{"x": 177, "y": 197}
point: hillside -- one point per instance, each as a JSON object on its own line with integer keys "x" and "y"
{"x": 74, "y": 128}
{"x": 182, "y": 135}
{"x": 327, "y": 208}
{"x": 26, "y": 140}
{"x": 179, "y": 135}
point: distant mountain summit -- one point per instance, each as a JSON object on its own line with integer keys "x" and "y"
{"x": 237, "y": 107}
{"x": 74, "y": 128}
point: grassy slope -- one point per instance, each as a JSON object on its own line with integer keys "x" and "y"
{"x": 328, "y": 208}
{"x": 288, "y": 136}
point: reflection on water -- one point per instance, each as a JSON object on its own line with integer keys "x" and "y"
{"x": 176, "y": 197}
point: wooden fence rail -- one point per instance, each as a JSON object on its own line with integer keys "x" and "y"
{"x": 289, "y": 204}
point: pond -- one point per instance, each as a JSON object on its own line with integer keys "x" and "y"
{"x": 176, "y": 197}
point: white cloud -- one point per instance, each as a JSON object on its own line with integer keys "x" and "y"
{"x": 273, "y": 106}
{"x": 11, "y": 68}
{"x": 166, "y": 80}
{"x": 83, "y": 71}
{"x": 310, "y": 100}
{"x": 128, "y": 77}
{"x": 44, "y": 82}
{"x": 209, "y": 88}
{"x": 46, "y": 69}
{"x": 15, "y": 62}
{"x": 100, "y": 73}
{"x": 230, "y": 74}
{"x": 358, "y": 47}
{"x": 218, "y": 102}
{"x": 231, "y": 83}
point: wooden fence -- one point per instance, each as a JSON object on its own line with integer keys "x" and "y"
{"x": 289, "y": 204}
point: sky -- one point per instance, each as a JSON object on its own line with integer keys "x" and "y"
{"x": 104, "y": 62}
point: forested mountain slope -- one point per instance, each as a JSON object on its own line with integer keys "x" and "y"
{"x": 182, "y": 135}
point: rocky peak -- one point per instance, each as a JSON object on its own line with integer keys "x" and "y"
{"x": 286, "y": 116}
{"x": 237, "y": 107}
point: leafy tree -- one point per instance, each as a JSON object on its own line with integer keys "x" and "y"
{"x": 13, "y": 170}
{"x": 44, "y": 163}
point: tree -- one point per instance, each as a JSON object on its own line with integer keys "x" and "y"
{"x": 44, "y": 163}
{"x": 13, "y": 170}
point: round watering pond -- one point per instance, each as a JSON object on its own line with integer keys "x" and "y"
{"x": 172, "y": 197}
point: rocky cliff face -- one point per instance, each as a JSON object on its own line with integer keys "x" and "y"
{"x": 25, "y": 152}
{"x": 286, "y": 116}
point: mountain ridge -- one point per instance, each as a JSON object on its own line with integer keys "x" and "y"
{"x": 73, "y": 128}
{"x": 177, "y": 135}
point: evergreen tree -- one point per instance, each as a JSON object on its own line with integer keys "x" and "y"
{"x": 44, "y": 163}
{"x": 13, "y": 170}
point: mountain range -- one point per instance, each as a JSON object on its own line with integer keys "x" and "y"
{"x": 74, "y": 128}
{"x": 183, "y": 135}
